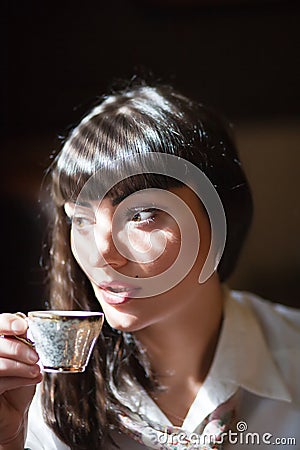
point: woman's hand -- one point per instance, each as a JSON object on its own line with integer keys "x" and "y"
{"x": 19, "y": 374}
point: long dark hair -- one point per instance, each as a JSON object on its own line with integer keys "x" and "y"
{"x": 140, "y": 119}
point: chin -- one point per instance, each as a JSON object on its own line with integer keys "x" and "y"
{"x": 127, "y": 324}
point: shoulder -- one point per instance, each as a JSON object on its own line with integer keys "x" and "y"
{"x": 280, "y": 324}
{"x": 280, "y": 327}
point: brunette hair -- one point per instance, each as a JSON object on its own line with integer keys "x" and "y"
{"x": 139, "y": 119}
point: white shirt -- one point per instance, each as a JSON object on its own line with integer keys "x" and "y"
{"x": 259, "y": 353}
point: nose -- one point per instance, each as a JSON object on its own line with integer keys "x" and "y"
{"x": 104, "y": 251}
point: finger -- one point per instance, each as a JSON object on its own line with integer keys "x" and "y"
{"x": 11, "y": 368}
{"x": 11, "y": 324}
{"x": 17, "y": 350}
{"x": 10, "y": 383}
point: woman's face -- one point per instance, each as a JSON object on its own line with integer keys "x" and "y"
{"x": 141, "y": 256}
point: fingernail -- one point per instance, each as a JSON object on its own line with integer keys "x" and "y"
{"x": 17, "y": 326}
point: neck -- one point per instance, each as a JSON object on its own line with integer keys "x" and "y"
{"x": 182, "y": 346}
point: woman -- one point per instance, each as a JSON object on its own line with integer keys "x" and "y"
{"x": 181, "y": 361}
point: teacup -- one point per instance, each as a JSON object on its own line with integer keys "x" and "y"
{"x": 64, "y": 340}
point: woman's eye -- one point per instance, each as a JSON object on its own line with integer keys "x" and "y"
{"x": 144, "y": 217}
{"x": 81, "y": 222}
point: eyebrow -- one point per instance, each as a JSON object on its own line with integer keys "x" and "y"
{"x": 84, "y": 204}
{"x": 115, "y": 201}
{"x": 119, "y": 198}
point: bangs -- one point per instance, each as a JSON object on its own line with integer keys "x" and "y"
{"x": 105, "y": 154}
{"x": 95, "y": 185}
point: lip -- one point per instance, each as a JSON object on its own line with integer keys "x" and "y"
{"x": 118, "y": 298}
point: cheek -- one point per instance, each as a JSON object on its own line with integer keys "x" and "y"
{"x": 164, "y": 251}
{"x": 81, "y": 247}
{"x": 142, "y": 246}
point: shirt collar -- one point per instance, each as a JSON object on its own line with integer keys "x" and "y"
{"x": 242, "y": 355}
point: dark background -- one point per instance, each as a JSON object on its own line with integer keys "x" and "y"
{"x": 241, "y": 57}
